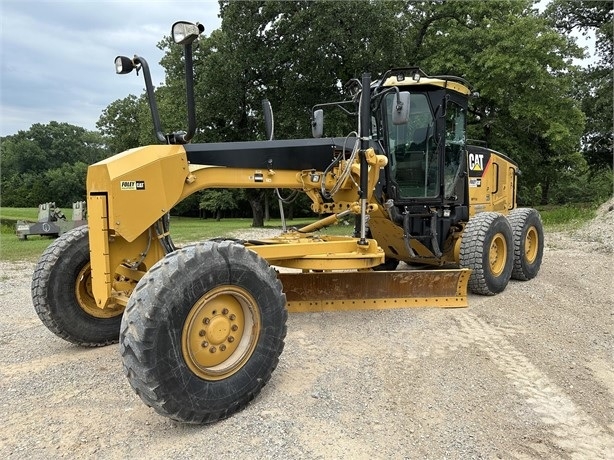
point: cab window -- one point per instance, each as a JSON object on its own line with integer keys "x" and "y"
{"x": 455, "y": 147}
{"x": 415, "y": 165}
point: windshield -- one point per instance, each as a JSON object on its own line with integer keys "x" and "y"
{"x": 414, "y": 156}
{"x": 412, "y": 148}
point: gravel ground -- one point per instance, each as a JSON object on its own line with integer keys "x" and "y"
{"x": 526, "y": 374}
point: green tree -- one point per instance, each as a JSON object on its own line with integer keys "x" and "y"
{"x": 296, "y": 54}
{"x": 300, "y": 53}
{"x": 595, "y": 83}
{"x": 521, "y": 67}
{"x": 218, "y": 200}
{"x": 49, "y": 146}
{"x": 123, "y": 123}
{"x": 48, "y": 163}
{"x": 66, "y": 184}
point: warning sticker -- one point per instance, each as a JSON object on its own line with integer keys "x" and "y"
{"x": 475, "y": 182}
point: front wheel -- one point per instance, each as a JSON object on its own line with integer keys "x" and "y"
{"x": 203, "y": 331}
{"x": 487, "y": 249}
{"x": 528, "y": 242}
{"x": 62, "y": 293}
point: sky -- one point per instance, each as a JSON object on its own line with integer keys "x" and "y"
{"x": 57, "y": 56}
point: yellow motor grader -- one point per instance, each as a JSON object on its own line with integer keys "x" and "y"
{"x": 201, "y": 327}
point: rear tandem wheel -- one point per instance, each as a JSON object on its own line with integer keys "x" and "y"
{"x": 487, "y": 249}
{"x": 203, "y": 331}
{"x": 528, "y": 242}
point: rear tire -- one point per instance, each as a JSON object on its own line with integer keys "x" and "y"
{"x": 487, "y": 249}
{"x": 528, "y": 242}
{"x": 62, "y": 293}
{"x": 203, "y": 331}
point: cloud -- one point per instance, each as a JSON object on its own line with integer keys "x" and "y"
{"x": 56, "y": 57}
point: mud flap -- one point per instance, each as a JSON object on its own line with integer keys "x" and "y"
{"x": 374, "y": 290}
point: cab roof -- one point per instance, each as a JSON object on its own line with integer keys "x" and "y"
{"x": 413, "y": 76}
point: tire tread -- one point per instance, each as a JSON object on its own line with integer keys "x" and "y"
{"x": 518, "y": 219}
{"x": 52, "y": 315}
{"x": 473, "y": 247}
{"x": 140, "y": 323}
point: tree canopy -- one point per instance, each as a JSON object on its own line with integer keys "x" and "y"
{"x": 595, "y": 83}
{"x": 48, "y": 163}
{"x": 300, "y": 53}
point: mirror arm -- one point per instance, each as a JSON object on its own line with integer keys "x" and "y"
{"x": 335, "y": 104}
{"x": 184, "y": 138}
{"x": 153, "y": 106}
{"x": 379, "y": 97}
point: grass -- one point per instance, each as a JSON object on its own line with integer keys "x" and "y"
{"x": 18, "y": 214}
{"x": 567, "y": 217}
{"x": 183, "y": 230}
{"x": 186, "y": 229}
{"x": 11, "y": 248}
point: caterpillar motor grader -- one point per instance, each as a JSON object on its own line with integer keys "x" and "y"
{"x": 201, "y": 327}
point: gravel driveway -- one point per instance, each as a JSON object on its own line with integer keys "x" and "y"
{"x": 526, "y": 374}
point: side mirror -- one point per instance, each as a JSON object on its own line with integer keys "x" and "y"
{"x": 123, "y": 65}
{"x": 185, "y": 33}
{"x": 317, "y": 123}
{"x": 269, "y": 122}
{"x": 400, "y": 112}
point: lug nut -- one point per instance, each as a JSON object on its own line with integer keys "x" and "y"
{"x": 206, "y": 321}
{"x": 232, "y": 317}
{"x": 231, "y": 339}
{"x": 212, "y": 349}
{"x": 225, "y": 311}
{"x": 202, "y": 332}
{"x": 205, "y": 344}
{"x": 234, "y": 328}
{"x": 222, "y": 347}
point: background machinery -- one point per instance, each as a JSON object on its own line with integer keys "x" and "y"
{"x": 201, "y": 327}
{"x": 52, "y": 221}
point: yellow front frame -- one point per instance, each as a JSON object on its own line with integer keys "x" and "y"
{"x": 129, "y": 192}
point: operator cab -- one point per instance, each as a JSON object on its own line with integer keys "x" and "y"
{"x": 427, "y": 153}
{"x": 424, "y": 185}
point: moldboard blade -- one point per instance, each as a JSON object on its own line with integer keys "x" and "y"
{"x": 373, "y": 290}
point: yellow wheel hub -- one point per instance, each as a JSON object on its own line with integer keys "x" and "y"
{"x": 219, "y": 329}
{"x": 497, "y": 256}
{"x": 220, "y": 332}
{"x": 85, "y": 296}
{"x": 531, "y": 244}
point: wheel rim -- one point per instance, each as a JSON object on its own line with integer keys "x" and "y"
{"x": 531, "y": 245}
{"x": 497, "y": 255}
{"x": 220, "y": 332}
{"x": 85, "y": 296}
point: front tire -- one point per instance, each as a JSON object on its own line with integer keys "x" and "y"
{"x": 203, "y": 331}
{"x": 62, "y": 293}
{"x": 487, "y": 249}
{"x": 528, "y": 243}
